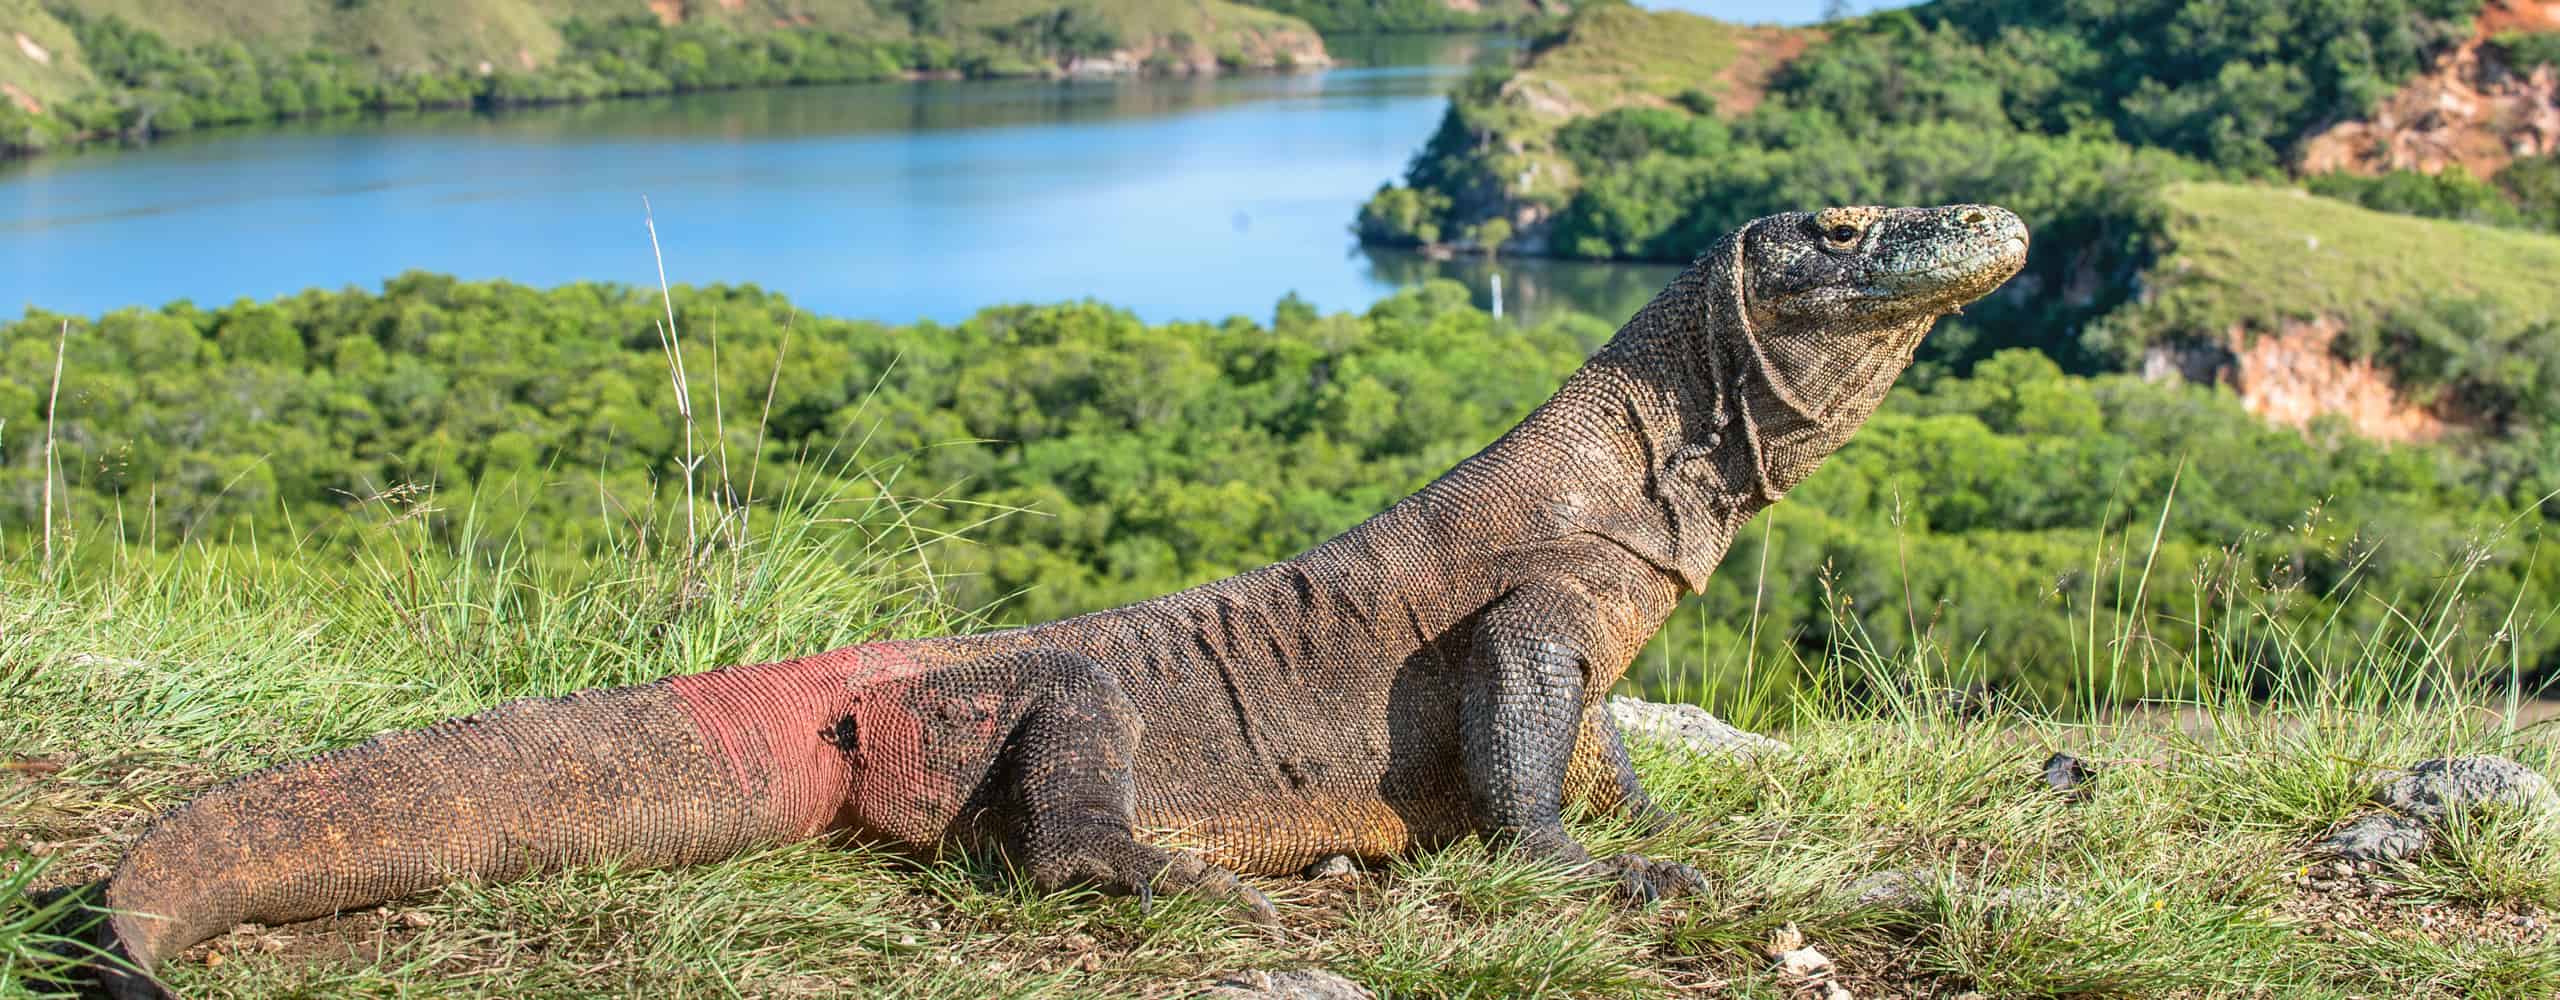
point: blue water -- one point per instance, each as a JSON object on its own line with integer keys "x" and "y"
{"x": 1190, "y": 199}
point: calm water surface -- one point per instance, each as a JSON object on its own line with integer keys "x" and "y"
{"x": 1192, "y": 199}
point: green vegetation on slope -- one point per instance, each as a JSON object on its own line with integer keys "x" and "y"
{"x": 1086, "y": 459}
{"x": 1494, "y": 160}
{"x": 2074, "y": 114}
{"x": 135, "y": 679}
{"x": 2463, "y": 316}
{"x": 1380, "y": 16}
{"x": 109, "y": 70}
{"x": 2236, "y": 255}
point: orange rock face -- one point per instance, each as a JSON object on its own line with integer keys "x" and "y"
{"x": 2520, "y": 15}
{"x": 2290, "y": 377}
{"x": 2471, "y": 109}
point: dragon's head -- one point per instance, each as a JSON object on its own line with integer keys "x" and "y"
{"x": 1880, "y": 273}
{"x": 1818, "y": 312}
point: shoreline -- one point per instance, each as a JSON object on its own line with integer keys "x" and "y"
{"x": 1082, "y": 70}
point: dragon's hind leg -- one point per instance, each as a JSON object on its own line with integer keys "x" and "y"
{"x": 1071, "y": 761}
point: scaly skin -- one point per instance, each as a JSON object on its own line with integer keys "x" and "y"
{"x": 1434, "y": 673}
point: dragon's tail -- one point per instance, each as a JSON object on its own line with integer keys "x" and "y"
{"x": 659, "y": 775}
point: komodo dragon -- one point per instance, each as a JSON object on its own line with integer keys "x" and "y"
{"x": 1433, "y": 673}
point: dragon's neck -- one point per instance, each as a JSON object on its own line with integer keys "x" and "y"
{"x": 1637, "y": 447}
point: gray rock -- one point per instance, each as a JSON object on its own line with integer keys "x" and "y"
{"x": 1689, "y": 726}
{"x": 2378, "y": 837}
{"x": 1898, "y": 889}
{"x": 1293, "y": 984}
{"x": 1333, "y": 866}
{"x": 2434, "y": 791}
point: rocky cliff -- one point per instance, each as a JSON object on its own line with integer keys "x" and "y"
{"x": 2475, "y": 108}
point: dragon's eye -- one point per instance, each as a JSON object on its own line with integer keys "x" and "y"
{"x": 1842, "y": 235}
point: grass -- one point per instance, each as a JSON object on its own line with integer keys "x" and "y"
{"x": 130, "y": 679}
{"x": 1615, "y": 55}
{"x": 2254, "y": 256}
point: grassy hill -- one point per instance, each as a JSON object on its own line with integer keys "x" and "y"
{"x": 2456, "y": 318}
{"x": 2257, "y": 255}
{"x": 1496, "y": 157}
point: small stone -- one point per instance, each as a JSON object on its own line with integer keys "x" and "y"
{"x": 1785, "y": 939}
{"x": 2375, "y": 837}
{"x": 1803, "y": 963}
{"x": 1292, "y": 984}
{"x": 2069, "y": 775}
{"x": 1688, "y": 726}
{"x": 1333, "y": 866}
{"x": 416, "y": 918}
{"x": 1835, "y": 991}
{"x": 1090, "y": 962}
{"x": 212, "y": 958}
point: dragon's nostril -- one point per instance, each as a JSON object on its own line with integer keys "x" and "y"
{"x": 1973, "y": 217}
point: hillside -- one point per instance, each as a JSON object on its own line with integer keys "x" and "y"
{"x": 1496, "y": 158}
{"x": 2308, "y": 306}
{"x": 91, "y": 68}
{"x": 1370, "y": 16}
{"x": 2099, "y": 124}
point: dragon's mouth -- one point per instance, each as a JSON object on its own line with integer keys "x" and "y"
{"x": 1962, "y": 279}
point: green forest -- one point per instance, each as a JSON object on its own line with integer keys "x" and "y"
{"x": 119, "y": 77}
{"x": 1053, "y": 459}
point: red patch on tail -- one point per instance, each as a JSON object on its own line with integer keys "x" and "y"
{"x": 774, "y": 725}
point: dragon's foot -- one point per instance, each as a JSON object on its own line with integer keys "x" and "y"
{"x": 1635, "y": 877}
{"x": 1645, "y": 880}
{"x": 1134, "y": 869}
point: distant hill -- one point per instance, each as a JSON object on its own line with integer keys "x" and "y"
{"x": 84, "y": 68}
{"x": 2404, "y": 328}
{"x": 1632, "y": 134}
{"x": 1330, "y": 16}
{"x": 1494, "y": 174}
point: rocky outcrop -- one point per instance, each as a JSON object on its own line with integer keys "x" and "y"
{"x": 2292, "y": 376}
{"x": 2470, "y": 109}
{"x": 1287, "y": 48}
{"x": 2435, "y": 796}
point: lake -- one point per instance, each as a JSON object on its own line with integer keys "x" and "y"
{"x": 1176, "y": 198}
